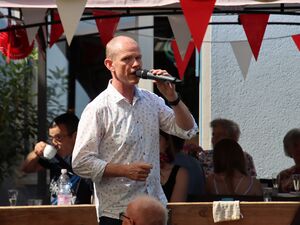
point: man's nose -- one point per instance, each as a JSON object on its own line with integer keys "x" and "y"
{"x": 136, "y": 63}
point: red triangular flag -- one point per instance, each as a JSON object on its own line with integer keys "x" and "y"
{"x": 197, "y": 15}
{"x": 106, "y": 26}
{"x": 296, "y": 39}
{"x": 182, "y": 64}
{"x": 56, "y": 29}
{"x": 14, "y": 43}
{"x": 254, "y": 26}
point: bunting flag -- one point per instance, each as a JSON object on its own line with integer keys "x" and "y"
{"x": 182, "y": 64}
{"x": 70, "y": 12}
{"x": 254, "y": 26}
{"x": 56, "y": 29}
{"x": 181, "y": 32}
{"x": 296, "y": 39}
{"x": 33, "y": 16}
{"x": 243, "y": 55}
{"x": 197, "y": 15}
{"x": 106, "y": 26}
{"x": 14, "y": 43}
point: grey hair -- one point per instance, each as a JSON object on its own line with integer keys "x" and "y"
{"x": 150, "y": 209}
{"x": 290, "y": 139}
{"x": 231, "y": 127}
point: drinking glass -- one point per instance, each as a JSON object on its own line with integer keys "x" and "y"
{"x": 275, "y": 183}
{"x": 267, "y": 194}
{"x": 12, "y": 197}
{"x": 296, "y": 182}
{"x": 126, "y": 181}
{"x": 35, "y": 201}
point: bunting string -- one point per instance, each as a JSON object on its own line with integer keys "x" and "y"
{"x": 205, "y": 41}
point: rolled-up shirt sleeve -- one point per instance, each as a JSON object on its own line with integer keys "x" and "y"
{"x": 85, "y": 158}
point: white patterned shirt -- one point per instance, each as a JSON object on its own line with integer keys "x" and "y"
{"x": 113, "y": 130}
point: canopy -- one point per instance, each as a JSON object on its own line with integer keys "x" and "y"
{"x": 197, "y": 14}
{"x": 133, "y": 3}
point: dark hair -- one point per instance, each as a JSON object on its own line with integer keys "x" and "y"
{"x": 70, "y": 120}
{"x": 290, "y": 140}
{"x": 228, "y": 156}
{"x": 170, "y": 151}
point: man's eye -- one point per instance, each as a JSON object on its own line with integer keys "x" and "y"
{"x": 127, "y": 58}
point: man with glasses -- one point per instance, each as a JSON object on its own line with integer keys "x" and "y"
{"x": 62, "y": 135}
{"x": 144, "y": 210}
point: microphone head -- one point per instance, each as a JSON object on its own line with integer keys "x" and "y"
{"x": 146, "y": 74}
{"x": 141, "y": 73}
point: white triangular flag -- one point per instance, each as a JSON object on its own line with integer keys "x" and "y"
{"x": 33, "y": 16}
{"x": 70, "y": 12}
{"x": 181, "y": 33}
{"x": 243, "y": 55}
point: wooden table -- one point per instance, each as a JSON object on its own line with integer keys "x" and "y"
{"x": 48, "y": 215}
{"x": 254, "y": 213}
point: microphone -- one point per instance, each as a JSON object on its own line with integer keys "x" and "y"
{"x": 146, "y": 74}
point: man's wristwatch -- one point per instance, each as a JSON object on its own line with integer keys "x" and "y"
{"x": 175, "y": 102}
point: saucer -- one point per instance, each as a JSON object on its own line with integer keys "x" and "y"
{"x": 297, "y": 193}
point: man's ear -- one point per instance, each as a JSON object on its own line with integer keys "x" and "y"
{"x": 109, "y": 64}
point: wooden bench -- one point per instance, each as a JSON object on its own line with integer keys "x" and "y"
{"x": 49, "y": 215}
{"x": 254, "y": 213}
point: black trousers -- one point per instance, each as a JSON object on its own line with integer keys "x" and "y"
{"x": 109, "y": 221}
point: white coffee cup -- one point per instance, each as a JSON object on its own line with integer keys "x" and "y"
{"x": 49, "y": 151}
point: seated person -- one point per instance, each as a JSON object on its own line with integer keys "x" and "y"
{"x": 145, "y": 210}
{"x": 187, "y": 156}
{"x": 230, "y": 175}
{"x": 62, "y": 133}
{"x": 173, "y": 178}
{"x": 224, "y": 128}
{"x": 291, "y": 144}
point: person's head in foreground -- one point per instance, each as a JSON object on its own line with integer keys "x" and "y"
{"x": 145, "y": 210}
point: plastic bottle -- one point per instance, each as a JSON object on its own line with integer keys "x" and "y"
{"x": 64, "y": 196}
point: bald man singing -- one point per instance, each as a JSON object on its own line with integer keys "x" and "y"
{"x": 117, "y": 143}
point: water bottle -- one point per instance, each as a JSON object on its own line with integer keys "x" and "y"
{"x": 64, "y": 196}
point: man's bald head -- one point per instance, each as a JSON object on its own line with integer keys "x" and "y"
{"x": 116, "y": 44}
{"x": 146, "y": 210}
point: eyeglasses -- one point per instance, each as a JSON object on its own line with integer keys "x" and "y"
{"x": 58, "y": 138}
{"x": 122, "y": 216}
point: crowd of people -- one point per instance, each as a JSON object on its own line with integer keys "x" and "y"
{"x": 127, "y": 151}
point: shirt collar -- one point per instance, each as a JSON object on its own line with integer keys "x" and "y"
{"x": 117, "y": 97}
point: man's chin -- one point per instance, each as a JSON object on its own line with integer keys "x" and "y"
{"x": 134, "y": 80}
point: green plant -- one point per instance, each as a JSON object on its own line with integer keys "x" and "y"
{"x": 18, "y": 112}
{"x": 18, "y": 108}
{"x": 56, "y": 90}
